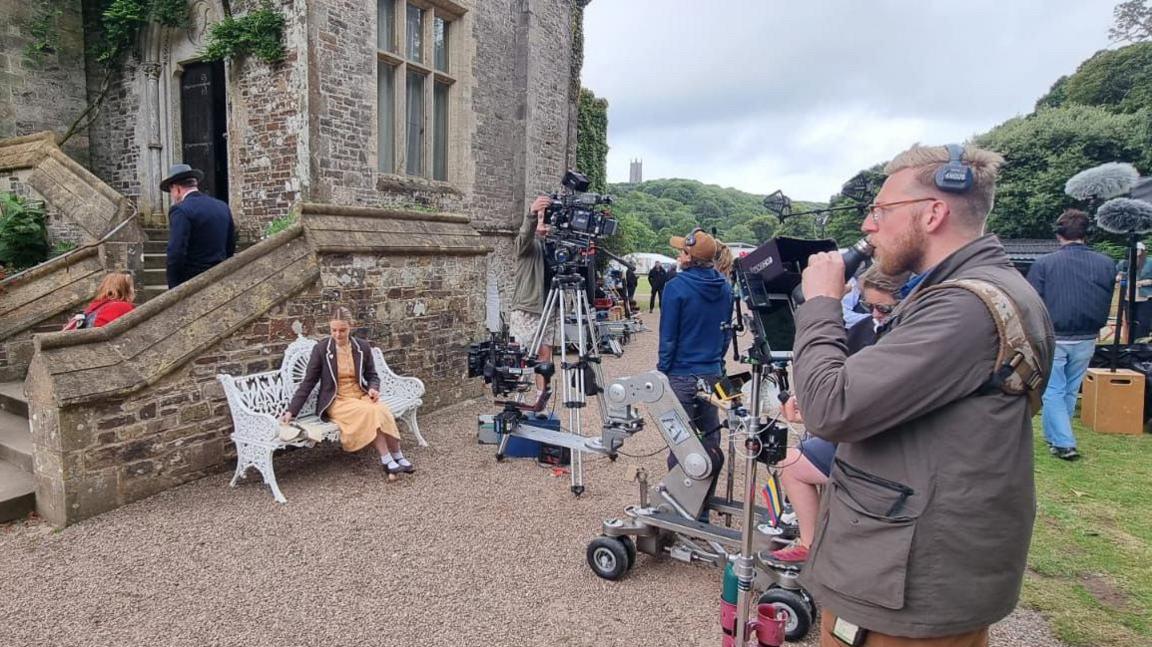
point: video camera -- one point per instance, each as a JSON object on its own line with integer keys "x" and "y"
{"x": 576, "y": 215}
{"x": 504, "y": 364}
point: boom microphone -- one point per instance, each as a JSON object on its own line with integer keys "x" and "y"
{"x": 1102, "y": 182}
{"x": 1125, "y": 216}
{"x": 854, "y": 257}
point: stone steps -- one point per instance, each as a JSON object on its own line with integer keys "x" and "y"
{"x": 17, "y": 492}
{"x": 15, "y": 441}
{"x": 17, "y": 483}
{"x": 12, "y": 399}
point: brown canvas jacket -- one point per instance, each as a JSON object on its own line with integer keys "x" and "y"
{"x": 926, "y": 521}
{"x": 322, "y": 369}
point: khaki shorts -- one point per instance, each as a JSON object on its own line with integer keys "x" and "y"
{"x": 523, "y": 326}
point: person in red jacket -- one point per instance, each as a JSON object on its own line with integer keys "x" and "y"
{"x": 113, "y": 300}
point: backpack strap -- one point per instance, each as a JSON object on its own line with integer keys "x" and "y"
{"x": 1018, "y": 370}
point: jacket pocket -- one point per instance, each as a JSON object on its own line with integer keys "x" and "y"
{"x": 863, "y": 550}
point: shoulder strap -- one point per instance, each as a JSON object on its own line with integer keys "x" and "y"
{"x": 1018, "y": 370}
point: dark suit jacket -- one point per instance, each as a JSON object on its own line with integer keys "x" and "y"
{"x": 322, "y": 369}
{"x": 200, "y": 234}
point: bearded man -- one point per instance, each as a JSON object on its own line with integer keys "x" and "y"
{"x": 924, "y": 529}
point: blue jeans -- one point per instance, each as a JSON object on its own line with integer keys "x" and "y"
{"x": 1069, "y": 364}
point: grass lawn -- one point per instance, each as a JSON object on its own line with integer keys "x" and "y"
{"x": 1091, "y": 558}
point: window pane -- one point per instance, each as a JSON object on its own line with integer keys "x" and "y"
{"x": 386, "y": 116}
{"x": 415, "y": 33}
{"x": 440, "y": 132}
{"x": 386, "y": 25}
{"x": 440, "y": 42}
{"x": 415, "y": 121}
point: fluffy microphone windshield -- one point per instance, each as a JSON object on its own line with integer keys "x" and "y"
{"x": 1125, "y": 216}
{"x": 1102, "y": 182}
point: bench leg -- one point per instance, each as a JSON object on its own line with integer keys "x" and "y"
{"x": 410, "y": 419}
{"x": 261, "y": 458}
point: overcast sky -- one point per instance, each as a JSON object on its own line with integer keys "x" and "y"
{"x": 785, "y": 94}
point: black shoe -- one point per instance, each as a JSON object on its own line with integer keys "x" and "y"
{"x": 407, "y": 469}
{"x": 392, "y": 471}
{"x": 1066, "y": 453}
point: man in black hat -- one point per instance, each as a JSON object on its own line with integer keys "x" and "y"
{"x": 200, "y": 228}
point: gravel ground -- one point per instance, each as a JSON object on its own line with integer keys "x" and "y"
{"x": 465, "y": 551}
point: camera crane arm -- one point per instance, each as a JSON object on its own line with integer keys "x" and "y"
{"x": 686, "y": 485}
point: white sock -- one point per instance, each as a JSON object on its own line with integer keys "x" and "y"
{"x": 399, "y": 456}
{"x": 388, "y": 461}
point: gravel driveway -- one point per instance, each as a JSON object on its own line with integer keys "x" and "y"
{"x": 464, "y": 552}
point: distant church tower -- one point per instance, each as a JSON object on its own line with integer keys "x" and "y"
{"x": 636, "y": 171}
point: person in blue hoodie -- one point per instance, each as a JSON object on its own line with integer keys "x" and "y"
{"x": 695, "y": 312}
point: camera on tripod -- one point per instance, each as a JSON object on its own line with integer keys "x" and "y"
{"x": 577, "y": 215}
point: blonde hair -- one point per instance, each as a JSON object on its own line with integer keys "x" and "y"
{"x": 874, "y": 279}
{"x": 340, "y": 313}
{"x": 972, "y": 206}
{"x": 723, "y": 260}
{"x": 116, "y": 286}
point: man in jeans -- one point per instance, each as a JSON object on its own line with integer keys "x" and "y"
{"x": 693, "y": 315}
{"x": 1076, "y": 284}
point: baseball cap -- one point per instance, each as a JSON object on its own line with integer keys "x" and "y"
{"x": 698, "y": 244}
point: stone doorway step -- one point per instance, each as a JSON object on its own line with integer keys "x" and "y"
{"x": 17, "y": 483}
{"x": 155, "y": 280}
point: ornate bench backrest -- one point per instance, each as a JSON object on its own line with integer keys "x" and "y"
{"x": 399, "y": 392}
{"x": 262, "y": 392}
{"x": 292, "y": 372}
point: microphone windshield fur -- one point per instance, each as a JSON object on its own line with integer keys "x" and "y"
{"x": 1125, "y": 216}
{"x": 1105, "y": 181}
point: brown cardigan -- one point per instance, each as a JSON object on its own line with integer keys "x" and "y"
{"x": 322, "y": 369}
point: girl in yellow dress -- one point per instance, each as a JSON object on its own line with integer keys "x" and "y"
{"x": 350, "y": 394}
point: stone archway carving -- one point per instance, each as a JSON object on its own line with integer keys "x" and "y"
{"x": 165, "y": 51}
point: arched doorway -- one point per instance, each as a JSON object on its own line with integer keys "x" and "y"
{"x": 186, "y": 103}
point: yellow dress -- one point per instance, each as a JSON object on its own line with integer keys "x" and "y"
{"x": 357, "y": 416}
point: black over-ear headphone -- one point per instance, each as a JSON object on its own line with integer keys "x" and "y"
{"x": 956, "y": 175}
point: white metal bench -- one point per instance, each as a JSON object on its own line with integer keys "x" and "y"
{"x": 256, "y": 402}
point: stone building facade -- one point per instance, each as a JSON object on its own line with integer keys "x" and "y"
{"x": 407, "y": 136}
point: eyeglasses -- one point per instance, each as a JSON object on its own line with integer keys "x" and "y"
{"x": 882, "y": 308}
{"x": 875, "y": 209}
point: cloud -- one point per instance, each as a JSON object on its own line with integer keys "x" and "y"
{"x": 764, "y": 95}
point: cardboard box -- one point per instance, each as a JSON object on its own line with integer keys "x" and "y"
{"x": 1113, "y": 401}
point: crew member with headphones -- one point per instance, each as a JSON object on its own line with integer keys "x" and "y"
{"x": 926, "y": 521}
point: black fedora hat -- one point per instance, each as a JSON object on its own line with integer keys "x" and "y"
{"x": 178, "y": 172}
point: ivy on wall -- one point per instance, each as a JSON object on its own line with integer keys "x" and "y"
{"x": 258, "y": 33}
{"x": 43, "y": 31}
{"x": 592, "y": 139}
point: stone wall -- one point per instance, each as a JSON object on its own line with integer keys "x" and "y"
{"x": 129, "y": 410}
{"x": 45, "y": 92}
{"x": 269, "y": 146}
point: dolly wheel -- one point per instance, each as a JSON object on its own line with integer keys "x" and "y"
{"x": 608, "y": 557}
{"x": 798, "y": 610}
{"x": 630, "y": 547}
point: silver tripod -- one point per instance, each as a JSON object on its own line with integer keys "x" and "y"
{"x": 567, "y": 302}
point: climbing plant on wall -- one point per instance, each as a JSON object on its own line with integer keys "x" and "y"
{"x": 120, "y": 22}
{"x": 258, "y": 33}
{"x": 592, "y": 139}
